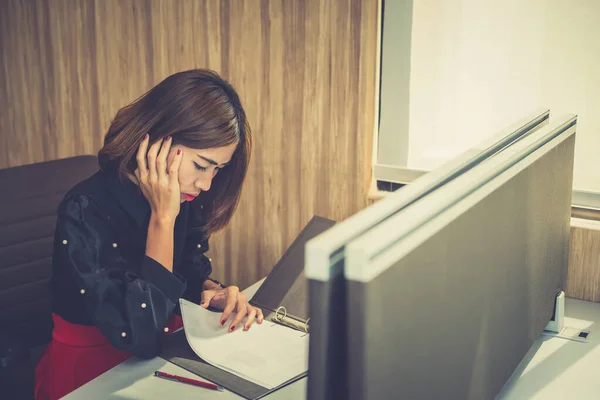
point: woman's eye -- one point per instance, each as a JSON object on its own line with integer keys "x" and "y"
{"x": 199, "y": 167}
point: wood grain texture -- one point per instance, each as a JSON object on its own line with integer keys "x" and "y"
{"x": 305, "y": 71}
{"x": 583, "y": 280}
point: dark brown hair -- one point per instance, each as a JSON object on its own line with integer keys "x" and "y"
{"x": 198, "y": 109}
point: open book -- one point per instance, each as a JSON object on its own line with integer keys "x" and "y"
{"x": 256, "y": 362}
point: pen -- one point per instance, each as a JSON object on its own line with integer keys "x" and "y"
{"x": 182, "y": 379}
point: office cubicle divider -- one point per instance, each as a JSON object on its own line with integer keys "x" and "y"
{"x": 324, "y": 258}
{"x": 446, "y": 297}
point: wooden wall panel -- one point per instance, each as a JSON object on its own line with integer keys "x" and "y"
{"x": 305, "y": 70}
{"x": 583, "y": 280}
{"x": 123, "y": 57}
{"x": 49, "y": 98}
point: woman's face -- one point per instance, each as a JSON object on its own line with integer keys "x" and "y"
{"x": 199, "y": 167}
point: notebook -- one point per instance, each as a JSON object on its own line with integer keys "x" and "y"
{"x": 283, "y": 300}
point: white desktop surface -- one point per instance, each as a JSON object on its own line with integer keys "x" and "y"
{"x": 557, "y": 368}
{"x": 554, "y": 368}
{"x": 134, "y": 379}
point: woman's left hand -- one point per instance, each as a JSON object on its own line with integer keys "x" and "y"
{"x": 229, "y": 300}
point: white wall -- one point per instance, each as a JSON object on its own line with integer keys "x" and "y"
{"x": 493, "y": 62}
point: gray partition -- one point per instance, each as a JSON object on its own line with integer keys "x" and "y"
{"x": 446, "y": 297}
{"x": 324, "y": 258}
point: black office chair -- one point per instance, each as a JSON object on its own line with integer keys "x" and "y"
{"x": 29, "y": 197}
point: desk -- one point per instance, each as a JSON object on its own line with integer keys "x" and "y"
{"x": 553, "y": 369}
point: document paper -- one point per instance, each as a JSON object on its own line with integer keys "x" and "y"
{"x": 268, "y": 354}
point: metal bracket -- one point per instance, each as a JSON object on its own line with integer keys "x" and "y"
{"x": 556, "y": 327}
{"x": 556, "y": 324}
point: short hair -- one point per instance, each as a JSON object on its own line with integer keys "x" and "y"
{"x": 200, "y": 110}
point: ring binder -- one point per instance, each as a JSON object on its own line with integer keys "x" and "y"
{"x": 290, "y": 322}
{"x": 283, "y": 293}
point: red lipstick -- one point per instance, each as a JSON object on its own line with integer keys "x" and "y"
{"x": 189, "y": 197}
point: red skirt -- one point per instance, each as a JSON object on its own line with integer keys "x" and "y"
{"x": 76, "y": 355}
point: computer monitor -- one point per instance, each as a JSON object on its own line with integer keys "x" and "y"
{"x": 446, "y": 297}
{"x": 324, "y": 257}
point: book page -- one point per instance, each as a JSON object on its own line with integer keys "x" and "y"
{"x": 268, "y": 354}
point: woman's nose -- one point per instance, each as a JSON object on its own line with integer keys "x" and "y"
{"x": 204, "y": 183}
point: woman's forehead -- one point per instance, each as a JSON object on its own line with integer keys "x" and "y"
{"x": 216, "y": 155}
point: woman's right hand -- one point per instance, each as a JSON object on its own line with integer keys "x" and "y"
{"x": 159, "y": 182}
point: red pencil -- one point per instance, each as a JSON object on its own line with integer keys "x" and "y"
{"x": 182, "y": 379}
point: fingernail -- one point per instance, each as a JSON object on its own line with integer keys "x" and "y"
{"x": 223, "y": 322}
{"x": 246, "y": 327}
{"x": 178, "y": 151}
{"x": 168, "y": 138}
{"x": 146, "y": 136}
{"x": 232, "y": 328}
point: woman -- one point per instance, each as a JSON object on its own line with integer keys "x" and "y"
{"x": 130, "y": 240}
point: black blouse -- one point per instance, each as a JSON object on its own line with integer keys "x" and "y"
{"x": 101, "y": 275}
